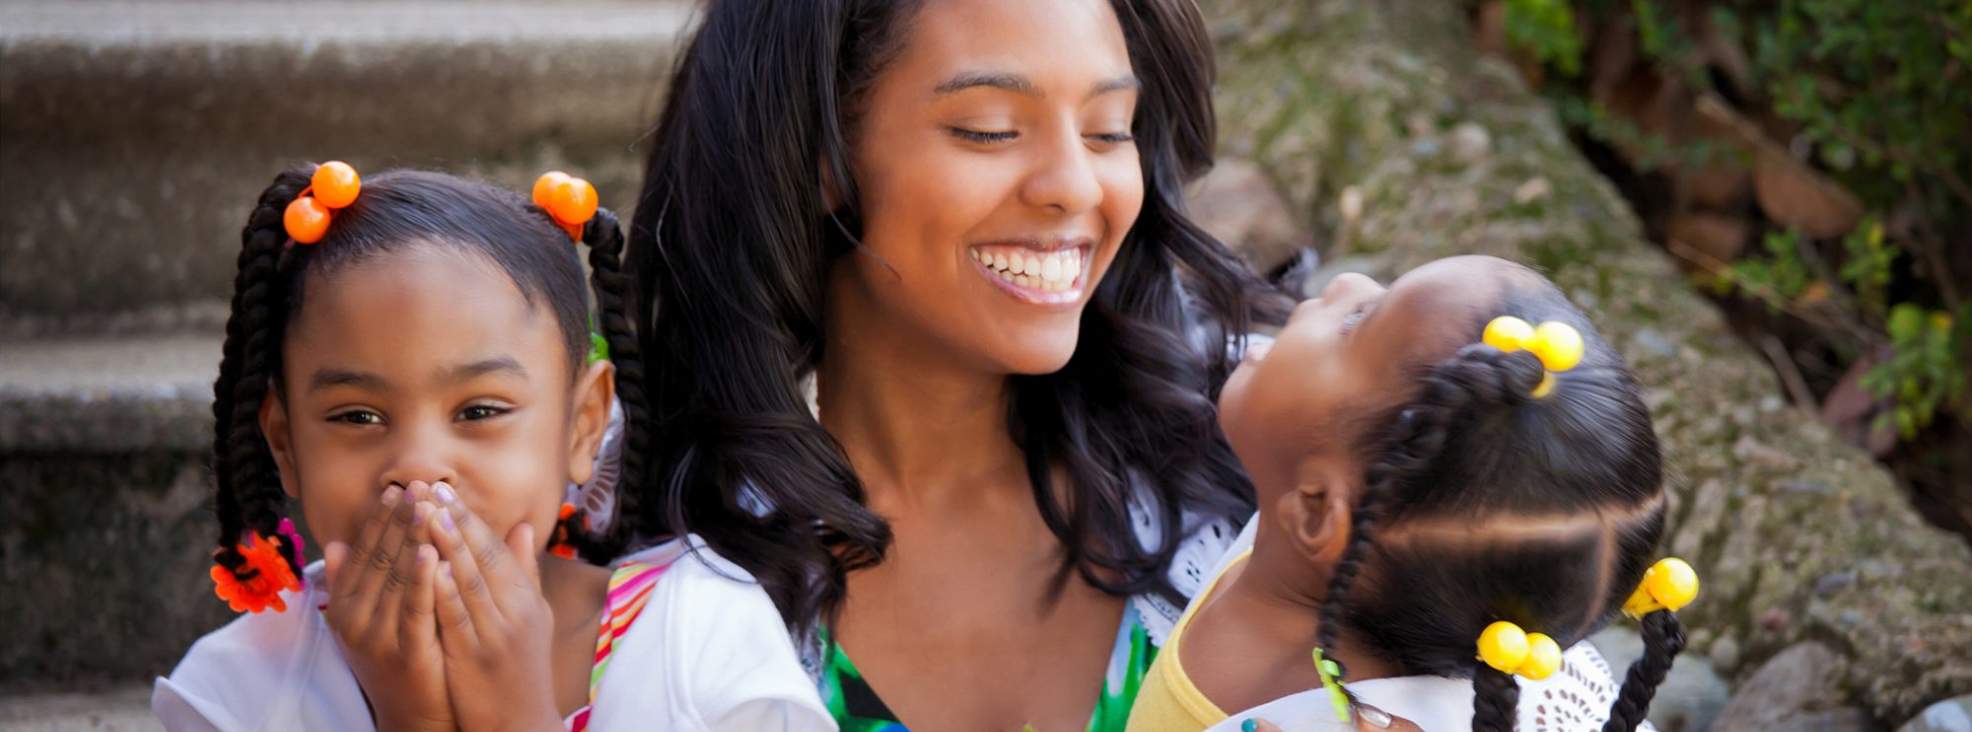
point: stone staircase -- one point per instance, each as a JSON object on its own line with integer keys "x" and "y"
{"x": 134, "y": 135}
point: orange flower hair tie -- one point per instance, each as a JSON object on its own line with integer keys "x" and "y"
{"x": 260, "y": 583}
{"x": 334, "y": 186}
{"x": 569, "y": 200}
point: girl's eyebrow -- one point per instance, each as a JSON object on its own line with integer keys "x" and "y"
{"x": 484, "y": 366}
{"x": 330, "y": 378}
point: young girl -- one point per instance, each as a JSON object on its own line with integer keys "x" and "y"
{"x": 408, "y": 356}
{"x": 1445, "y": 494}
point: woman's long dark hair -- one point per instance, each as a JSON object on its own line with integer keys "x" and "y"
{"x": 730, "y": 249}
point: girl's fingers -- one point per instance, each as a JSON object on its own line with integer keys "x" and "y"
{"x": 344, "y": 592}
{"x": 507, "y": 579}
{"x": 456, "y": 630}
{"x": 380, "y": 557}
{"x": 333, "y": 555}
{"x": 520, "y": 544}
{"x": 466, "y": 574}
{"x": 416, "y": 626}
{"x": 390, "y": 597}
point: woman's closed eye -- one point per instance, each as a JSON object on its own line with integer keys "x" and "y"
{"x": 983, "y": 136}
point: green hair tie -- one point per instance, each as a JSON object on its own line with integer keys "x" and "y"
{"x": 1332, "y": 681}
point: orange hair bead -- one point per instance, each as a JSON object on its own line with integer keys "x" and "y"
{"x": 306, "y": 219}
{"x": 544, "y": 187}
{"x": 336, "y": 184}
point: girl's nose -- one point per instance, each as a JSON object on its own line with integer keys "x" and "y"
{"x": 1348, "y": 284}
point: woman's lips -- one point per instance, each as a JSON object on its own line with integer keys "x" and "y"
{"x": 1035, "y": 274}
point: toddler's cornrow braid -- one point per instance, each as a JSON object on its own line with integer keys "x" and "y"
{"x": 247, "y": 488}
{"x": 1495, "y": 700}
{"x": 1663, "y": 639}
{"x": 614, "y": 308}
{"x": 1476, "y": 377}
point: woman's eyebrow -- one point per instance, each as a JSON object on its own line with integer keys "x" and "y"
{"x": 996, "y": 79}
{"x": 1019, "y": 84}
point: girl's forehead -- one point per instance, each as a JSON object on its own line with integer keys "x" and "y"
{"x": 420, "y": 306}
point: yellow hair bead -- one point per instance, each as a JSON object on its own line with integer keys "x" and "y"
{"x": 1508, "y": 333}
{"x": 1503, "y": 646}
{"x": 1543, "y": 657}
{"x": 1557, "y": 345}
{"x": 1670, "y": 584}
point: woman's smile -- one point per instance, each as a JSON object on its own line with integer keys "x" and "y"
{"x": 1037, "y": 271}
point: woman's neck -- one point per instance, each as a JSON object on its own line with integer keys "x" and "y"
{"x": 915, "y": 422}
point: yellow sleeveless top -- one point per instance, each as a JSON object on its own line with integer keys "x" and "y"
{"x": 1168, "y": 701}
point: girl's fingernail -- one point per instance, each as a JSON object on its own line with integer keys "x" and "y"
{"x": 1248, "y": 726}
{"x": 392, "y": 494}
{"x": 445, "y": 494}
{"x": 1375, "y": 717}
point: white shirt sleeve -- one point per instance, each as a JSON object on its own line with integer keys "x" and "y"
{"x": 709, "y": 652}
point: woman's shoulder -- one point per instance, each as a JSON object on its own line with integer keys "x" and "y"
{"x": 708, "y": 650}
{"x": 263, "y": 670}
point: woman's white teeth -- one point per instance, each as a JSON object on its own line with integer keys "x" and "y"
{"x": 1052, "y": 271}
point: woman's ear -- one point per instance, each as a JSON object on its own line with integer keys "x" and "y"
{"x": 595, "y": 391}
{"x": 1315, "y": 515}
{"x": 280, "y": 441}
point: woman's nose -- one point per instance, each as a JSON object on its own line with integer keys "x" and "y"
{"x": 1065, "y": 179}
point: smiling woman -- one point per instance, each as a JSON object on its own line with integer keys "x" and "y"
{"x": 963, "y": 219}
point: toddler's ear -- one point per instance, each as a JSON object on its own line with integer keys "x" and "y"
{"x": 595, "y": 391}
{"x": 274, "y": 427}
{"x": 1315, "y": 514}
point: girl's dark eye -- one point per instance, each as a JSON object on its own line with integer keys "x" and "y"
{"x": 983, "y": 136}
{"x": 478, "y": 412}
{"x": 1114, "y": 138}
{"x": 357, "y": 417}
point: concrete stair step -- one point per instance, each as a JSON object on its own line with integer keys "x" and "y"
{"x": 107, "y": 393}
{"x": 136, "y": 134}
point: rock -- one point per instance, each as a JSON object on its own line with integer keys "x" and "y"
{"x": 1797, "y": 197}
{"x": 1718, "y": 237}
{"x": 1350, "y": 204}
{"x": 1240, "y": 206}
{"x": 1470, "y": 142}
{"x": 1799, "y": 688}
{"x": 1725, "y": 654}
{"x": 1534, "y": 189}
{"x": 1950, "y": 715}
{"x": 1690, "y": 697}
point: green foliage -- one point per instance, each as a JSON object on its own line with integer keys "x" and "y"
{"x": 1776, "y": 279}
{"x": 1867, "y": 270}
{"x": 1924, "y": 374}
{"x": 1547, "y": 29}
{"x": 1887, "y": 84}
{"x": 1881, "y": 93}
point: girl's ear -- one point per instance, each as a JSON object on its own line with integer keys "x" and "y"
{"x": 595, "y": 391}
{"x": 280, "y": 441}
{"x": 1315, "y": 514}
